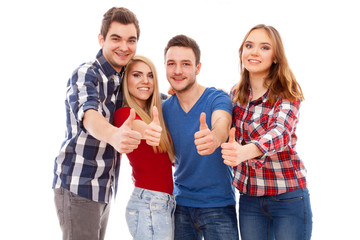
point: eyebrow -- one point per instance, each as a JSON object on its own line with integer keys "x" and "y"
{"x": 266, "y": 43}
{"x": 115, "y": 35}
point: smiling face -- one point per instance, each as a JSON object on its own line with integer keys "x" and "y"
{"x": 140, "y": 81}
{"x": 181, "y": 68}
{"x": 119, "y": 46}
{"x": 258, "y": 53}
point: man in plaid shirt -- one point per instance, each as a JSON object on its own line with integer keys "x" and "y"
{"x": 86, "y": 169}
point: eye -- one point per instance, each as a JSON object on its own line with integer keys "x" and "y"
{"x": 265, "y": 48}
{"x": 151, "y": 76}
{"x": 248, "y": 45}
{"x": 136, "y": 75}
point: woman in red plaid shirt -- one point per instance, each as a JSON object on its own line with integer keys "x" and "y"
{"x": 274, "y": 199}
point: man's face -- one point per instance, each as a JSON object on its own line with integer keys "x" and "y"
{"x": 120, "y": 43}
{"x": 181, "y": 68}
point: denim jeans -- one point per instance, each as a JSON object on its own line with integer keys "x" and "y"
{"x": 150, "y": 215}
{"x": 282, "y": 217}
{"x": 214, "y": 223}
{"x": 80, "y": 218}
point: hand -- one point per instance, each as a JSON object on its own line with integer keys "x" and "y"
{"x": 171, "y": 91}
{"x": 230, "y": 150}
{"x": 206, "y": 143}
{"x": 125, "y": 140}
{"x": 152, "y": 132}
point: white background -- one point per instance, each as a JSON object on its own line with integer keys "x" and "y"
{"x": 42, "y": 42}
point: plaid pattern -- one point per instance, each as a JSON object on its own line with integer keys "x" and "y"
{"x": 85, "y": 165}
{"x": 272, "y": 129}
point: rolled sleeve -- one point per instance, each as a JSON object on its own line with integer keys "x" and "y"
{"x": 82, "y": 92}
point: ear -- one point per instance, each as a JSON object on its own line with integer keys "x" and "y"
{"x": 101, "y": 40}
{"x": 198, "y": 67}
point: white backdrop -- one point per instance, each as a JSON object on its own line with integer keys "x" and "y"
{"x": 44, "y": 41}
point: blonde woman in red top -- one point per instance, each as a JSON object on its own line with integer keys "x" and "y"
{"x": 271, "y": 178}
{"x": 149, "y": 213}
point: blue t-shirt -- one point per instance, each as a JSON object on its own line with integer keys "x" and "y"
{"x": 200, "y": 181}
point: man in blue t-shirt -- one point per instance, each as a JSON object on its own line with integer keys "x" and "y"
{"x": 199, "y": 120}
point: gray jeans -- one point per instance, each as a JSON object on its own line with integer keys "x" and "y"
{"x": 80, "y": 218}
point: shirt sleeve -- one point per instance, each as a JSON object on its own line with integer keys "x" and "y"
{"x": 281, "y": 127}
{"x": 82, "y": 93}
{"x": 222, "y": 102}
{"x": 121, "y": 115}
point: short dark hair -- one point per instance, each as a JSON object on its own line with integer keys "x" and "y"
{"x": 184, "y": 41}
{"x": 121, "y": 15}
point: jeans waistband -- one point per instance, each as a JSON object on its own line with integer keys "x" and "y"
{"x": 145, "y": 193}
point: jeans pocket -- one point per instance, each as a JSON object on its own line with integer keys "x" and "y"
{"x": 289, "y": 196}
{"x": 159, "y": 206}
{"x": 59, "y": 204}
{"x": 76, "y": 199}
{"x": 132, "y": 219}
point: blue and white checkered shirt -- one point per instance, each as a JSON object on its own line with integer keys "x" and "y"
{"x": 86, "y": 166}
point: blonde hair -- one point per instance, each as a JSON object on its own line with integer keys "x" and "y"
{"x": 166, "y": 144}
{"x": 280, "y": 81}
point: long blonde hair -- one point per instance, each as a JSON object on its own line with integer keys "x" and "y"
{"x": 280, "y": 81}
{"x": 166, "y": 144}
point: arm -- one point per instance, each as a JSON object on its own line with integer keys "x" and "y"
{"x": 206, "y": 140}
{"x": 123, "y": 139}
{"x": 233, "y": 153}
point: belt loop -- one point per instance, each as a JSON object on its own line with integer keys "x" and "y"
{"x": 141, "y": 193}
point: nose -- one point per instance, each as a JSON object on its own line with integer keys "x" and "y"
{"x": 145, "y": 79}
{"x": 255, "y": 51}
{"x": 178, "y": 69}
{"x": 123, "y": 45}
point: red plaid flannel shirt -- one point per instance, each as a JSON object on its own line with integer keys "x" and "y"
{"x": 272, "y": 129}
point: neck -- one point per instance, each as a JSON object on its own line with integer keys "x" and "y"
{"x": 257, "y": 86}
{"x": 188, "y": 98}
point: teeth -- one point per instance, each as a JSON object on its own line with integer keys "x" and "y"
{"x": 254, "y": 61}
{"x": 144, "y": 89}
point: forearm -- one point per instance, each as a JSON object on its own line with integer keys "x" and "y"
{"x": 221, "y": 122}
{"x": 98, "y": 126}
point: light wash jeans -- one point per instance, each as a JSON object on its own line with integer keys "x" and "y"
{"x": 282, "y": 217}
{"x": 150, "y": 215}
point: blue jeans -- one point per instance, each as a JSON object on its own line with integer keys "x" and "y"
{"x": 282, "y": 217}
{"x": 214, "y": 223}
{"x": 150, "y": 215}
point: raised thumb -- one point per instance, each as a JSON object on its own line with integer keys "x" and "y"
{"x": 156, "y": 116}
{"x": 130, "y": 119}
{"x": 203, "y": 124}
{"x": 232, "y": 135}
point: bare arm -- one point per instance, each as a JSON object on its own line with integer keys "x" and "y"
{"x": 206, "y": 140}
{"x": 123, "y": 139}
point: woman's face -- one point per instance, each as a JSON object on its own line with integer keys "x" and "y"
{"x": 140, "y": 83}
{"x": 258, "y": 53}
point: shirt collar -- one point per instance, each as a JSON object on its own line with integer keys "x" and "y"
{"x": 105, "y": 65}
{"x": 261, "y": 99}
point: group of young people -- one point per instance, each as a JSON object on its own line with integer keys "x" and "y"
{"x": 215, "y": 142}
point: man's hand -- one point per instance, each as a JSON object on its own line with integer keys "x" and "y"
{"x": 152, "y": 132}
{"x": 125, "y": 140}
{"x": 205, "y": 141}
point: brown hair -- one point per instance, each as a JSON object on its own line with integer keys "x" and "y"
{"x": 184, "y": 41}
{"x": 166, "y": 144}
{"x": 121, "y": 15}
{"x": 280, "y": 81}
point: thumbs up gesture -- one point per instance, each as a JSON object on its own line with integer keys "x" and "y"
{"x": 153, "y": 130}
{"x": 230, "y": 150}
{"x": 126, "y": 139}
{"x": 205, "y": 141}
